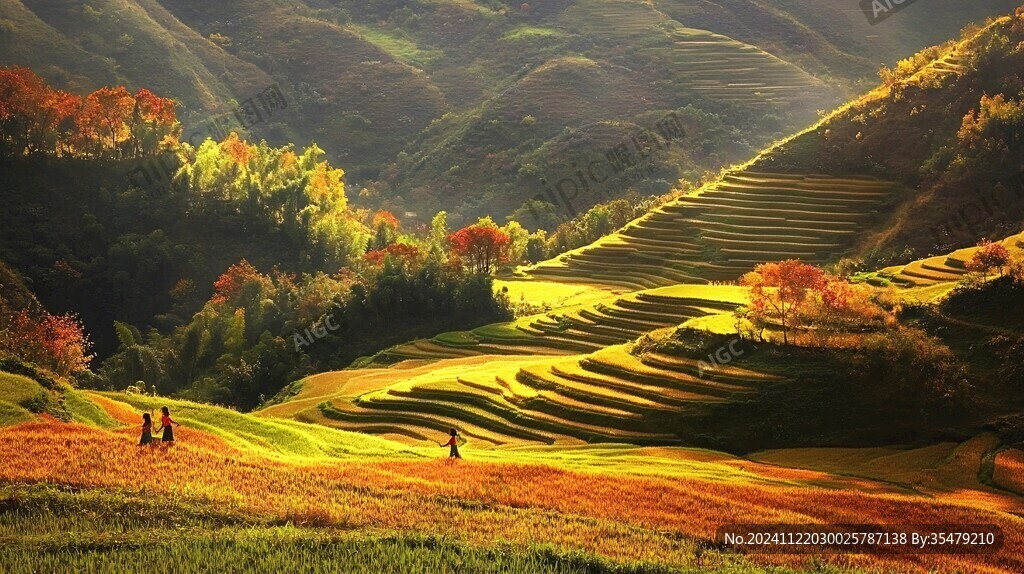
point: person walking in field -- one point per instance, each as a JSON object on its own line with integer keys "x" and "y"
{"x": 453, "y": 442}
{"x": 165, "y": 424}
{"x": 147, "y": 430}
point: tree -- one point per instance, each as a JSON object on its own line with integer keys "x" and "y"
{"x": 57, "y": 342}
{"x": 841, "y": 307}
{"x": 235, "y": 281}
{"x": 990, "y": 256}
{"x": 399, "y": 252}
{"x": 484, "y": 247}
{"x": 438, "y": 235}
{"x": 518, "y": 240}
{"x": 385, "y": 229}
{"x": 32, "y": 113}
{"x": 781, "y": 290}
{"x": 108, "y": 112}
{"x": 152, "y": 124}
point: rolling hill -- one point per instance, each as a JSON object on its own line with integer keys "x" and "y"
{"x": 467, "y": 106}
{"x": 859, "y": 184}
{"x": 633, "y": 408}
{"x": 586, "y": 370}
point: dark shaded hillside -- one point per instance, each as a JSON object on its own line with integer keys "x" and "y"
{"x": 91, "y": 243}
{"x": 373, "y": 82}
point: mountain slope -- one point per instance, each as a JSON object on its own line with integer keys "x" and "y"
{"x": 927, "y": 162}
{"x": 372, "y": 83}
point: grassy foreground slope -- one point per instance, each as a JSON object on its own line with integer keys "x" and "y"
{"x": 211, "y": 501}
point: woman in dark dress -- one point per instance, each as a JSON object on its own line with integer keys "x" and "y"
{"x": 165, "y": 424}
{"x": 147, "y": 430}
{"x": 454, "y": 443}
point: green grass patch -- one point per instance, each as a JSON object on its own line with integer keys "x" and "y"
{"x": 271, "y": 437}
{"x": 84, "y": 411}
{"x": 400, "y": 47}
{"x": 501, "y": 331}
{"x": 526, "y": 33}
{"x": 17, "y": 389}
{"x": 11, "y": 414}
{"x": 456, "y": 339}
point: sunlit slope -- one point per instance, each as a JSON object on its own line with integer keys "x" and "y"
{"x": 580, "y": 328}
{"x": 939, "y": 269}
{"x": 115, "y": 41}
{"x": 275, "y": 438}
{"x": 744, "y": 219}
{"x": 608, "y": 395}
{"x": 203, "y": 485}
{"x": 796, "y": 200}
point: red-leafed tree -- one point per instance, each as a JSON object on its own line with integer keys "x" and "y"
{"x": 990, "y": 256}
{"x": 34, "y": 117}
{"x": 107, "y": 113}
{"x": 152, "y": 122}
{"x": 483, "y": 247}
{"x": 781, "y": 291}
{"x": 32, "y": 114}
{"x": 57, "y": 342}
{"x": 234, "y": 282}
{"x": 404, "y": 253}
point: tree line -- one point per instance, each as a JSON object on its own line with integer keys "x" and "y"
{"x": 36, "y": 118}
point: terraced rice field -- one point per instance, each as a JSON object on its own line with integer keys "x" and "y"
{"x": 606, "y": 396}
{"x": 712, "y": 66}
{"x": 940, "y": 269}
{"x": 746, "y": 218}
{"x": 580, "y": 328}
{"x": 722, "y": 69}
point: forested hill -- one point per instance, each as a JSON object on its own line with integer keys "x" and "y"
{"x": 461, "y": 105}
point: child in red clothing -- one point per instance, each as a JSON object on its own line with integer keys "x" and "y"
{"x": 165, "y": 424}
{"x": 454, "y": 443}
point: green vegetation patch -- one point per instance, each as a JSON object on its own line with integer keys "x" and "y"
{"x": 51, "y": 529}
{"x": 17, "y": 389}
{"x": 457, "y": 339}
{"x": 271, "y": 437}
{"x": 399, "y": 46}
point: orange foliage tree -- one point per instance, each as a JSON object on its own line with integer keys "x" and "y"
{"x": 106, "y": 115}
{"x": 781, "y": 290}
{"x": 841, "y": 307}
{"x": 990, "y": 256}
{"x": 236, "y": 280}
{"x": 385, "y": 229}
{"x": 484, "y": 247}
{"x": 401, "y": 252}
{"x": 36, "y": 118}
{"x": 57, "y": 342}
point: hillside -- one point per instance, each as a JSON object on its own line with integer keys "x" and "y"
{"x": 921, "y": 165}
{"x": 624, "y": 356}
{"x": 246, "y": 491}
{"x": 254, "y": 356}
{"x": 456, "y": 106}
